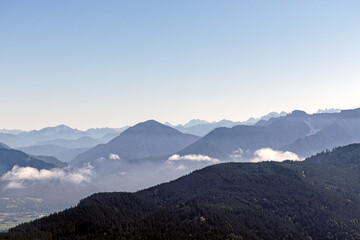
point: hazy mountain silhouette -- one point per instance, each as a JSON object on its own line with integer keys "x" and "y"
{"x": 11, "y": 157}
{"x": 101, "y": 132}
{"x": 292, "y": 132}
{"x": 222, "y": 142}
{"x": 60, "y": 131}
{"x": 344, "y": 130}
{"x": 52, "y": 160}
{"x": 82, "y": 142}
{"x": 32, "y": 137}
{"x": 145, "y": 139}
{"x": 66, "y": 135}
{"x": 9, "y": 139}
{"x": 62, "y": 153}
{"x": 201, "y": 127}
{"x": 11, "y": 131}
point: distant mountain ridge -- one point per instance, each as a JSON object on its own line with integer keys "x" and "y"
{"x": 61, "y": 141}
{"x": 62, "y": 153}
{"x": 298, "y": 132}
{"x": 11, "y": 131}
{"x": 10, "y": 157}
{"x": 344, "y": 130}
{"x": 145, "y": 139}
{"x": 201, "y": 127}
{"x": 60, "y": 132}
{"x": 52, "y": 160}
{"x": 82, "y": 142}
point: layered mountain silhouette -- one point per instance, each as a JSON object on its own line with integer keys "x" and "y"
{"x": 299, "y": 132}
{"x": 82, "y": 142}
{"x": 10, "y": 157}
{"x": 51, "y": 160}
{"x": 314, "y": 199}
{"x": 201, "y": 127}
{"x": 143, "y": 140}
{"x": 62, "y": 135}
{"x": 344, "y": 130}
{"x": 62, "y": 153}
{"x": 61, "y": 141}
{"x": 102, "y": 132}
{"x": 9, "y": 139}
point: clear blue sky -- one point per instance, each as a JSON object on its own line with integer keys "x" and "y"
{"x": 114, "y": 63}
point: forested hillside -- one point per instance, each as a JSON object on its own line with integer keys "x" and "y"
{"x": 317, "y": 198}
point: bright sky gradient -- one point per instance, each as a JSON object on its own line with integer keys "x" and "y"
{"x": 113, "y": 63}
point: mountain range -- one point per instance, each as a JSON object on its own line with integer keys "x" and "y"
{"x": 11, "y": 157}
{"x": 61, "y": 141}
{"x": 62, "y": 153}
{"x": 342, "y": 130}
{"x": 314, "y": 199}
{"x": 143, "y": 140}
{"x": 201, "y": 127}
{"x": 18, "y": 138}
{"x": 298, "y": 132}
{"x": 151, "y": 153}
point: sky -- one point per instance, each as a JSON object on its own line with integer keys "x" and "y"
{"x": 89, "y": 63}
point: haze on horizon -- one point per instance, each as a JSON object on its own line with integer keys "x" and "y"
{"x": 94, "y": 64}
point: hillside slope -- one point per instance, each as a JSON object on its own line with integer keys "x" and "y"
{"x": 298, "y": 132}
{"x": 314, "y": 199}
{"x": 10, "y": 157}
{"x": 343, "y": 131}
{"x": 143, "y": 140}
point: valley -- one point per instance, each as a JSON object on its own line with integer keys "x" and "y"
{"x": 179, "y": 120}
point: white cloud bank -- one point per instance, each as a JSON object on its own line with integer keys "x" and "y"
{"x": 193, "y": 157}
{"x": 268, "y": 154}
{"x": 17, "y": 176}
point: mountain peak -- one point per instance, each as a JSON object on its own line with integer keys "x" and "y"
{"x": 194, "y": 122}
{"x": 150, "y": 124}
{"x": 58, "y": 128}
{"x": 63, "y": 127}
{"x": 145, "y": 139}
{"x": 298, "y": 113}
{"x": 151, "y": 121}
{"x": 150, "y": 127}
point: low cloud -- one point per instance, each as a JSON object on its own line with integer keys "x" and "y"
{"x": 100, "y": 159}
{"x": 181, "y": 167}
{"x": 18, "y": 176}
{"x": 113, "y": 156}
{"x": 240, "y": 154}
{"x": 268, "y": 154}
{"x": 193, "y": 157}
{"x": 14, "y": 185}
